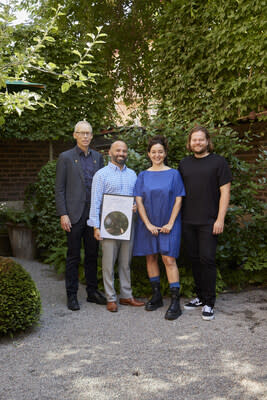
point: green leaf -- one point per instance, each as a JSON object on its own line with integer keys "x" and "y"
{"x": 49, "y": 39}
{"x": 77, "y": 53}
{"x": 65, "y": 87}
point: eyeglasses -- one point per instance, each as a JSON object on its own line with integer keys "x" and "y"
{"x": 84, "y": 133}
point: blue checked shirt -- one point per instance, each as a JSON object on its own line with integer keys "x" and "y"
{"x": 111, "y": 180}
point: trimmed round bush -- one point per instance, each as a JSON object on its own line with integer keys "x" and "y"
{"x": 20, "y": 302}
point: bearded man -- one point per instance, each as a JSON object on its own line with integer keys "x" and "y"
{"x": 207, "y": 180}
{"x": 115, "y": 178}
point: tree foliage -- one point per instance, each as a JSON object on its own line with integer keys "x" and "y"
{"x": 93, "y": 101}
{"x": 201, "y": 59}
{"x": 24, "y": 55}
{"x": 130, "y": 26}
{"x": 209, "y": 59}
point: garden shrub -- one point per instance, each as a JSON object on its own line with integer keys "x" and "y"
{"x": 20, "y": 302}
{"x": 49, "y": 231}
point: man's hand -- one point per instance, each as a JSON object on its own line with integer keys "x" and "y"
{"x": 223, "y": 206}
{"x": 97, "y": 234}
{"x": 218, "y": 227}
{"x": 65, "y": 223}
{"x": 134, "y": 208}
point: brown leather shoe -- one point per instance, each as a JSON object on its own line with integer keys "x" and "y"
{"x": 112, "y": 306}
{"x": 132, "y": 302}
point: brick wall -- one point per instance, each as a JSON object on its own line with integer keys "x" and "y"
{"x": 20, "y": 161}
{"x": 259, "y": 133}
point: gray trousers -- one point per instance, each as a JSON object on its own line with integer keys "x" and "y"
{"x": 111, "y": 250}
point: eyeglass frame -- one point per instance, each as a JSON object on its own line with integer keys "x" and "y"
{"x": 84, "y": 134}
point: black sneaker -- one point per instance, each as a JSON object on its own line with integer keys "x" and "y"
{"x": 207, "y": 313}
{"x": 195, "y": 303}
{"x": 72, "y": 302}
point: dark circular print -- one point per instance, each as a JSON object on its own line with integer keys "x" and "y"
{"x": 116, "y": 223}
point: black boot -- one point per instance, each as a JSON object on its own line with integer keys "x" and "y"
{"x": 174, "y": 311}
{"x": 156, "y": 299}
{"x": 72, "y": 302}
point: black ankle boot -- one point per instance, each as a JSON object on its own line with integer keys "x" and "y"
{"x": 72, "y": 302}
{"x": 174, "y": 311}
{"x": 156, "y": 299}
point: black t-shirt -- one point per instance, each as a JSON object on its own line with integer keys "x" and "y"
{"x": 202, "y": 179}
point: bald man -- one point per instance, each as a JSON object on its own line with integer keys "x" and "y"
{"x": 75, "y": 170}
{"x": 115, "y": 178}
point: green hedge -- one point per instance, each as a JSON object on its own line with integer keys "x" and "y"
{"x": 49, "y": 232}
{"x": 20, "y": 303}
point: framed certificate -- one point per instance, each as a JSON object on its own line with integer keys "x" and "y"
{"x": 116, "y": 217}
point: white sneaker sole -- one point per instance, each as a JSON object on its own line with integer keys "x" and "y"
{"x": 192, "y": 308}
{"x": 208, "y": 318}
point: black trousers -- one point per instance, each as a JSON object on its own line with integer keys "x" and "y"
{"x": 201, "y": 245}
{"x": 81, "y": 231}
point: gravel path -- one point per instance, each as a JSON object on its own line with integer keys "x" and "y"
{"x": 136, "y": 355}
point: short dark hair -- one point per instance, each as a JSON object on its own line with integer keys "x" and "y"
{"x": 205, "y": 131}
{"x": 158, "y": 139}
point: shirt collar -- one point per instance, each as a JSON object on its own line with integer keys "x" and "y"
{"x": 115, "y": 167}
{"x": 81, "y": 152}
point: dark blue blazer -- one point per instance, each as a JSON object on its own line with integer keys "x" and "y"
{"x": 70, "y": 191}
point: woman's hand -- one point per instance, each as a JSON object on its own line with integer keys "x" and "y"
{"x": 166, "y": 228}
{"x": 153, "y": 229}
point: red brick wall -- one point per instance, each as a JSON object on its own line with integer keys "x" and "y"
{"x": 19, "y": 164}
{"x": 20, "y": 161}
{"x": 259, "y": 133}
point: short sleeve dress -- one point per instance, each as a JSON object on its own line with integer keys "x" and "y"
{"x": 158, "y": 190}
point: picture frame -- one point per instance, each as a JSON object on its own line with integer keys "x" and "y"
{"x": 116, "y": 217}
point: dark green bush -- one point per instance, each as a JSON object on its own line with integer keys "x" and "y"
{"x": 20, "y": 303}
{"x": 49, "y": 232}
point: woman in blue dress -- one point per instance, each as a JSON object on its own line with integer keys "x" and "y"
{"x": 159, "y": 192}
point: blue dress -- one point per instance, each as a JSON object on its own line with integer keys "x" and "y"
{"x": 158, "y": 190}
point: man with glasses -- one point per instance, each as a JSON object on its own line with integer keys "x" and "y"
{"x": 74, "y": 175}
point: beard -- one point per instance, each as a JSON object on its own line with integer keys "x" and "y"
{"x": 119, "y": 160}
{"x": 203, "y": 150}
